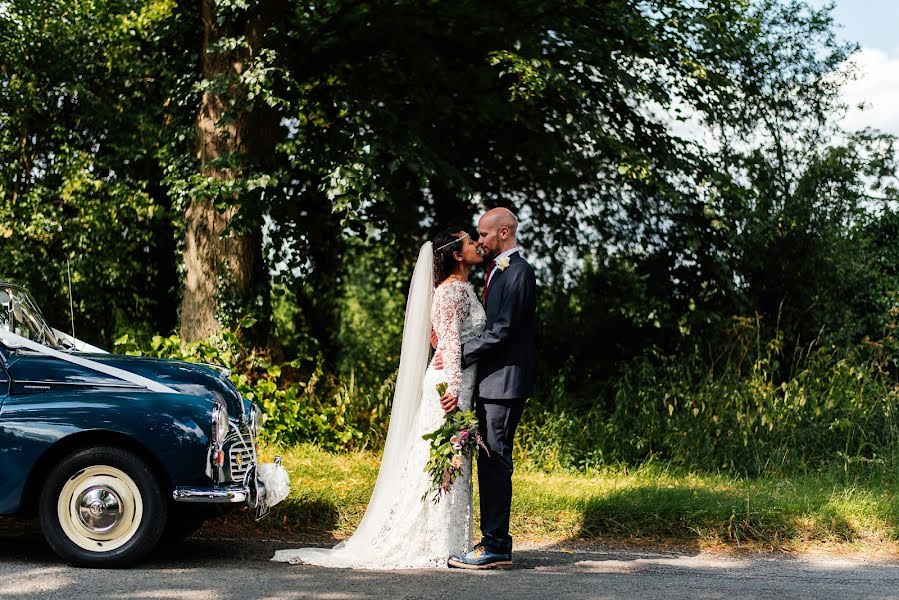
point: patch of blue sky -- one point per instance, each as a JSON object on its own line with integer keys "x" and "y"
{"x": 871, "y": 23}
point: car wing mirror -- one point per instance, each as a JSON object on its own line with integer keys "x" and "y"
{"x": 72, "y": 343}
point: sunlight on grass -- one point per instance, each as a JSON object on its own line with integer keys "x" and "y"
{"x": 652, "y": 503}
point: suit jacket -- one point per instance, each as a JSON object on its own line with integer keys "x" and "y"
{"x": 505, "y": 351}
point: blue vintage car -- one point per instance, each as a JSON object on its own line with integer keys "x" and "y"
{"x": 116, "y": 453}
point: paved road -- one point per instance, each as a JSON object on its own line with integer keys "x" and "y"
{"x": 225, "y": 569}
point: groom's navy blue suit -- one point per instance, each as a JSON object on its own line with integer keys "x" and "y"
{"x": 506, "y": 357}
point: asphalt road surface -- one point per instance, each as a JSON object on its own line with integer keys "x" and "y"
{"x": 224, "y": 569}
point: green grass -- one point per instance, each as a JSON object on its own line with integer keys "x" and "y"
{"x": 650, "y": 504}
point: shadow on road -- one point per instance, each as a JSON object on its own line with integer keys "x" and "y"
{"x": 21, "y": 540}
{"x": 239, "y": 568}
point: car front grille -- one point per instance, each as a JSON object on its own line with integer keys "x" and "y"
{"x": 241, "y": 453}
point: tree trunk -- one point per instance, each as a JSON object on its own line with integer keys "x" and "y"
{"x": 218, "y": 261}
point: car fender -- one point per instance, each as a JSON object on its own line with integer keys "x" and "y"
{"x": 172, "y": 430}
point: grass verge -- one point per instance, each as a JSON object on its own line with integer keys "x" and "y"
{"x": 855, "y": 508}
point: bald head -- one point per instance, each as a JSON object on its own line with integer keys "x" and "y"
{"x": 497, "y": 231}
{"x": 502, "y": 217}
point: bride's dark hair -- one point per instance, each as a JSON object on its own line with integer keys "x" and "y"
{"x": 444, "y": 246}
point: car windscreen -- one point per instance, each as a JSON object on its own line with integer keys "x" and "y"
{"x": 20, "y": 315}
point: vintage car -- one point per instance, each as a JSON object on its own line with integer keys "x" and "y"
{"x": 118, "y": 453}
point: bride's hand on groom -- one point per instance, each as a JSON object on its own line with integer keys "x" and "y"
{"x": 437, "y": 363}
{"x": 448, "y": 402}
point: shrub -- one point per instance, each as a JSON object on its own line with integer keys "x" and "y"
{"x": 299, "y": 401}
{"x": 755, "y": 409}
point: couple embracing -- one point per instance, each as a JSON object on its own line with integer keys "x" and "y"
{"x": 485, "y": 354}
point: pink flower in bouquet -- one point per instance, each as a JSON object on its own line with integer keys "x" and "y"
{"x": 459, "y": 429}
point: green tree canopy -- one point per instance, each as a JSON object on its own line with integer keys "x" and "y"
{"x": 86, "y": 113}
{"x": 681, "y": 158}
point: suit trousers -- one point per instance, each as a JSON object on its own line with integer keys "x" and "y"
{"x": 497, "y": 421}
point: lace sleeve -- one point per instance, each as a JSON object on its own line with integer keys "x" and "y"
{"x": 450, "y": 308}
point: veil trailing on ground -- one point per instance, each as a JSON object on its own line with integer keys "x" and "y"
{"x": 358, "y": 549}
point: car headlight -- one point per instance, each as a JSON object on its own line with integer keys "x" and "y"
{"x": 253, "y": 420}
{"x": 219, "y": 423}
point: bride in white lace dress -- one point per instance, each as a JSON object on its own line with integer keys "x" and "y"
{"x": 400, "y": 530}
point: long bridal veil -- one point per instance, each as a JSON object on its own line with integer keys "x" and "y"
{"x": 358, "y": 550}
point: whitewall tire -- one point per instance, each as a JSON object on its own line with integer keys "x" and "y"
{"x": 102, "y": 507}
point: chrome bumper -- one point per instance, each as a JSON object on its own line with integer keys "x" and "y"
{"x": 212, "y": 495}
{"x": 252, "y": 492}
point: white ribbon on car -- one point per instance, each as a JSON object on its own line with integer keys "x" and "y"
{"x": 276, "y": 481}
{"x": 77, "y": 345}
{"x": 17, "y": 341}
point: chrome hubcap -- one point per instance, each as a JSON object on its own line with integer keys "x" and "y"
{"x": 99, "y": 509}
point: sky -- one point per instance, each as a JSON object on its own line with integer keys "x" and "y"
{"x": 873, "y": 24}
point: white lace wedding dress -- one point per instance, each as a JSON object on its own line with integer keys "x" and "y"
{"x": 399, "y": 529}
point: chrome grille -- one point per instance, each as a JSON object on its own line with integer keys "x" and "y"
{"x": 241, "y": 453}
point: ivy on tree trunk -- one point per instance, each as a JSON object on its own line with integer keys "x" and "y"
{"x": 223, "y": 267}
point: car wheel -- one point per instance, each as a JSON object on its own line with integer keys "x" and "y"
{"x": 102, "y": 507}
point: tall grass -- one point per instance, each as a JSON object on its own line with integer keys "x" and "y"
{"x": 755, "y": 409}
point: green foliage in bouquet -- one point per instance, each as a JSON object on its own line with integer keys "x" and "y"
{"x": 451, "y": 444}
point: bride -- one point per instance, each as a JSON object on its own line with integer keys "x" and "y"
{"x": 399, "y": 529}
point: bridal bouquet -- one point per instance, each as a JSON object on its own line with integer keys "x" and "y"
{"x": 451, "y": 443}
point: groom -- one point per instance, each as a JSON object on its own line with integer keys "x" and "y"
{"x": 506, "y": 354}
